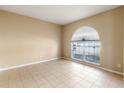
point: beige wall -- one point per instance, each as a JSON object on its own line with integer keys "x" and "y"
{"x": 109, "y": 27}
{"x": 24, "y": 40}
{"x": 123, "y": 44}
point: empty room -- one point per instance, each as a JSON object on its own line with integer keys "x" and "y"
{"x": 61, "y": 46}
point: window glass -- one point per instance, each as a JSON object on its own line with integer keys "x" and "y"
{"x": 85, "y": 45}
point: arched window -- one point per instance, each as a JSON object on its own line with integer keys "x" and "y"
{"x": 85, "y": 45}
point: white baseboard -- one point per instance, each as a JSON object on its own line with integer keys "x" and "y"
{"x": 27, "y": 64}
{"x": 106, "y": 69}
{"x": 112, "y": 71}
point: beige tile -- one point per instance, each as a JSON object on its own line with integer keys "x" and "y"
{"x": 15, "y": 84}
{"x": 59, "y": 74}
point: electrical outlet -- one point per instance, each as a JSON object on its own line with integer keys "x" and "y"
{"x": 119, "y": 65}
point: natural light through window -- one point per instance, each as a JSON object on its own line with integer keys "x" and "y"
{"x": 85, "y": 45}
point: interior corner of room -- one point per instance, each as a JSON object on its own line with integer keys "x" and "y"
{"x": 26, "y": 41}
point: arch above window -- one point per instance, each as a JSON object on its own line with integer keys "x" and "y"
{"x": 87, "y": 33}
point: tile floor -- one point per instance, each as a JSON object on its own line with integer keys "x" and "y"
{"x": 59, "y": 74}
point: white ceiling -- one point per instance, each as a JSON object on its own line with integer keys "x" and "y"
{"x": 59, "y": 14}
